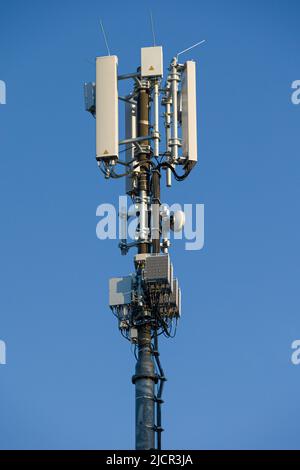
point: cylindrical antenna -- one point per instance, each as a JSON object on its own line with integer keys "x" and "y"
{"x": 104, "y": 36}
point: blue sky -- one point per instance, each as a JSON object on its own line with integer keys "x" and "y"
{"x": 67, "y": 379}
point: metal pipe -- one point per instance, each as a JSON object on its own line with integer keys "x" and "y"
{"x": 144, "y": 380}
{"x": 155, "y": 212}
{"x": 174, "y": 78}
{"x": 168, "y": 134}
{"x": 167, "y": 104}
{"x": 156, "y": 120}
{"x": 143, "y": 213}
{"x": 145, "y": 377}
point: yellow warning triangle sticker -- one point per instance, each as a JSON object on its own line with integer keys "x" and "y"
{"x": 151, "y": 67}
{"x": 105, "y": 152}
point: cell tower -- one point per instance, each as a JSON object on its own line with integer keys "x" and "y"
{"x": 146, "y": 303}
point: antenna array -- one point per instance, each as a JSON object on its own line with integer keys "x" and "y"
{"x": 146, "y": 303}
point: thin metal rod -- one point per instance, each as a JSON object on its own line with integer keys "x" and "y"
{"x": 192, "y": 47}
{"x": 152, "y": 27}
{"x": 127, "y": 99}
{"x": 135, "y": 139}
{"x": 104, "y": 36}
{"x": 128, "y": 75}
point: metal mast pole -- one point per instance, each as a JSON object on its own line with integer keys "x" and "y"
{"x": 144, "y": 378}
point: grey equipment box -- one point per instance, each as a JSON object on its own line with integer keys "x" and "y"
{"x": 158, "y": 271}
{"x": 120, "y": 291}
{"x": 175, "y": 299}
{"x": 90, "y": 97}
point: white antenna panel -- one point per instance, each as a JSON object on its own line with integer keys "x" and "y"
{"x": 189, "y": 112}
{"x": 120, "y": 289}
{"x": 152, "y": 61}
{"x": 107, "y": 120}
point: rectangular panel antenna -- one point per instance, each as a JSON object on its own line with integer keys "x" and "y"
{"x": 107, "y": 121}
{"x": 189, "y": 112}
{"x": 120, "y": 291}
{"x": 152, "y": 61}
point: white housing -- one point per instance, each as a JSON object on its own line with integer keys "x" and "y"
{"x": 107, "y": 121}
{"x": 189, "y": 112}
{"x": 152, "y": 61}
{"x": 120, "y": 291}
{"x": 177, "y": 221}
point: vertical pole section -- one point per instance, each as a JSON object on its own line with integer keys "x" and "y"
{"x": 144, "y": 391}
{"x": 145, "y": 377}
{"x": 174, "y": 90}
